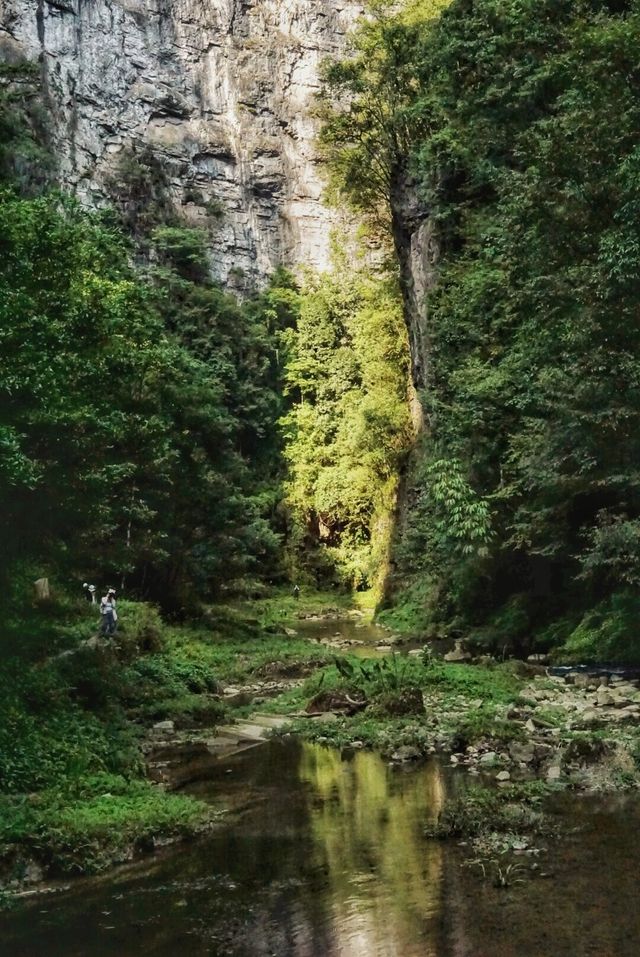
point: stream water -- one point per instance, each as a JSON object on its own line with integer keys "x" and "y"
{"x": 323, "y": 854}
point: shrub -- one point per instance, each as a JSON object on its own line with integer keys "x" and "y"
{"x": 607, "y": 633}
{"x": 140, "y": 628}
{"x": 483, "y": 810}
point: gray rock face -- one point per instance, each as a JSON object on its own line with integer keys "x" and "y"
{"x": 220, "y": 90}
{"x": 418, "y": 250}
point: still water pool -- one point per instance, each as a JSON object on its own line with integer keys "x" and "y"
{"x": 324, "y": 855}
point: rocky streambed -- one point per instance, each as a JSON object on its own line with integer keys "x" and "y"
{"x": 579, "y": 729}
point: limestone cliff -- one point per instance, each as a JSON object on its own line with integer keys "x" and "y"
{"x": 219, "y": 90}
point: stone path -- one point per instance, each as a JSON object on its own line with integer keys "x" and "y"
{"x": 251, "y": 730}
{"x": 176, "y": 757}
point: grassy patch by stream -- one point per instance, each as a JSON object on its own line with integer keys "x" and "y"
{"x": 73, "y": 792}
{"x": 462, "y": 704}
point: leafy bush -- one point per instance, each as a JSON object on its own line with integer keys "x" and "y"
{"x": 47, "y": 738}
{"x": 104, "y": 821}
{"x": 140, "y": 628}
{"x": 608, "y": 633}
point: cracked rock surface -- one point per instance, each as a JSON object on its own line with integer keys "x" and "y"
{"x": 220, "y": 90}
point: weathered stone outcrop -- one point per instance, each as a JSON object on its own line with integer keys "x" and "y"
{"x": 220, "y": 90}
{"x": 417, "y": 248}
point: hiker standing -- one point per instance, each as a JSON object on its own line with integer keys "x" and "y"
{"x": 296, "y": 592}
{"x": 108, "y": 612}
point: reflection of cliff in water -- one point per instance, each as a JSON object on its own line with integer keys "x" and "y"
{"x": 384, "y": 880}
{"x": 322, "y": 855}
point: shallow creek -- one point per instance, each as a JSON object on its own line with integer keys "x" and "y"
{"x": 323, "y": 855}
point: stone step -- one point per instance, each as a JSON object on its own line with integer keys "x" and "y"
{"x": 254, "y": 728}
{"x": 242, "y": 731}
{"x": 269, "y": 720}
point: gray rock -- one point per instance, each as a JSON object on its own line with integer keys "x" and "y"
{"x": 524, "y": 752}
{"x": 604, "y": 699}
{"x": 164, "y": 727}
{"x": 33, "y": 873}
{"x": 459, "y": 653}
{"x": 219, "y": 92}
{"x": 489, "y": 758}
{"x": 584, "y": 681}
{"x": 590, "y": 715}
{"x": 406, "y": 753}
{"x": 503, "y": 776}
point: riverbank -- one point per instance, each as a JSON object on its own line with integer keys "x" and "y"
{"x": 500, "y": 722}
{"x": 77, "y": 714}
{"x": 84, "y": 721}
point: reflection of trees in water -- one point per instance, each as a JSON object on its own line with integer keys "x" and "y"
{"x": 324, "y": 859}
{"x": 367, "y": 821}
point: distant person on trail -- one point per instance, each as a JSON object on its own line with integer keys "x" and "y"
{"x": 296, "y": 592}
{"x": 108, "y": 612}
{"x": 89, "y": 592}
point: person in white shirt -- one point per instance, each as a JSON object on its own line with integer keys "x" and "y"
{"x": 108, "y": 612}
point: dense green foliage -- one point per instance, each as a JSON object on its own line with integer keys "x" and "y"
{"x": 124, "y": 446}
{"x": 347, "y": 428}
{"x": 138, "y": 423}
{"x": 521, "y": 119}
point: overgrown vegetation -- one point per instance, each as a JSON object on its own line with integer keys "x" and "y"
{"x": 72, "y": 790}
{"x": 347, "y": 429}
{"x": 73, "y": 716}
{"x": 138, "y": 431}
{"x": 482, "y": 812}
{"x": 513, "y": 127}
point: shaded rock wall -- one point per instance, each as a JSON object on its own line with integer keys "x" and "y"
{"x": 220, "y": 90}
{"x": 417, "y": 248}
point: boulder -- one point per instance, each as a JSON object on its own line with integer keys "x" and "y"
{"x": 406, "y": 752}
{"x": 554, "y": 772}
{"x": 503, "y": 776}
{"x": 162, "y": 728}
{"x": 42, "y": 589}
{"x": 458, "y": 653}
{"x": 522, "y": 751}
{"x": 585, "y": 681}
{"x": 603, "y": 698}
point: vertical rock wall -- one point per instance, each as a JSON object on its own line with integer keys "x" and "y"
{"x": 220, "y": 90}
{"x": 417, "y": 248}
